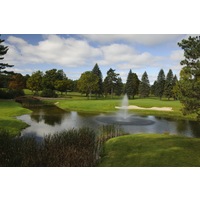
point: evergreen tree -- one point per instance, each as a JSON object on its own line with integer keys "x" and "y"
{"x": 119, "y": 87}
{"x": 174, "y": 90}
{"x": 153, "y": 89}
{"x": 110, "y": 82}
{"x": 3, "y": 51}
{"x": 160, "y": 86}
{"x": 169, "y": 85}
{"x": 189, "y": 84}
{"x": 144, "y": 87}
{"x": 97, "y": 72}
{"x": 132, "y": 84}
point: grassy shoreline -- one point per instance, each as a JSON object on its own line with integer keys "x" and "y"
{"x": 151, "y": 150}
{"x": 9, "y": 111}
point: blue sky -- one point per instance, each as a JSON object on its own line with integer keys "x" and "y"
{"x": 76, "y": 53}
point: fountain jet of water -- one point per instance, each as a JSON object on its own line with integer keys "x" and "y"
{"x": 124, "y": 108}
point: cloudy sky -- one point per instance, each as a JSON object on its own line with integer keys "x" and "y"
{"x": 76, "y": 54}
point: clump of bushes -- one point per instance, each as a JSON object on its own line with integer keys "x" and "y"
{"x": 10, "y": 93}
{"x": 48, "y": 93}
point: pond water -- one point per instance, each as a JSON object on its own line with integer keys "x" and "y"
{"x": 49, "y": 120}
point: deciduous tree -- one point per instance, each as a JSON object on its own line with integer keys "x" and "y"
{"x": 34, "y": 83}
{"x": 88, "y": 83}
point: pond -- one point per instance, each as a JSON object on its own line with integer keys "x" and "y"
{"x": 49, "y": 120}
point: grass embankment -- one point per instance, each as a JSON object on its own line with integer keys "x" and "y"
{"x": 108, "y": 105}
{"x": 8, "y": 112}
{"x": 151, "y": 150}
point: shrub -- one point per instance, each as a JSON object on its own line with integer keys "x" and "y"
{"x": 48, "y": 93}
{"x": 11, "y": 93}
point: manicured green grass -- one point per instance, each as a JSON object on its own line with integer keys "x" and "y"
{"x": 8, "y": 111}
{"x": 108, "y": 105}
{"x": 151, "y": 150}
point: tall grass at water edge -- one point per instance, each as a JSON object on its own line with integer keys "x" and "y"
{"x": 71, "y": 148}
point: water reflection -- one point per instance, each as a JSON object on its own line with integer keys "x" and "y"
{"x": 49, "y": 120}
{"x": 50, "y": 115}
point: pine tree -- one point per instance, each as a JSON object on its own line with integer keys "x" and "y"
{"x": 169, "y": 85}
{"x": 119, "y": 87}
{"x": 110, "y": 81}
{"x": 189, "y": 84}
{"x": 153, "y": 89}
{"x": 144, "y": 87}
{"x": 97, "y": 72}
{"x": 160, "y": 86}
{"x": 174, "y": 90}
{"x": 132, "y": 84}
{"x": 3, "y": 51}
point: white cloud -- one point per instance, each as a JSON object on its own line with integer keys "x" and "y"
{"x": 177, "y": 55}
{"x": 145, "y": 39}
{"x": 126, "y": 57}
{"x": 68, "y": 52}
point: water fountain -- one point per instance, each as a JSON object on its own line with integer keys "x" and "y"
{"x": 122, "y": 117}
{"x": 123, "y": 112}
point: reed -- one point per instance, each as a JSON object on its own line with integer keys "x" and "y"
{"x": 71, "y": 148}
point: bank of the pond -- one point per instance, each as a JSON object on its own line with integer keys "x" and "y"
{"x": 151, "y": 150}
{"x": 108, "y": 106}
{"x": 9, "y": 109}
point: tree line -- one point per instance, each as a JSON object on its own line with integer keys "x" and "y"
{"x": 47, "y": 84}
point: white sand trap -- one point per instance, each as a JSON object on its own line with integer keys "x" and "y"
{"x": 141, "y": 108}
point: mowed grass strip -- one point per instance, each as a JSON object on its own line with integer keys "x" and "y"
{"x": 108, "y": 105}
{"x": 151, "y": 150}
{"x": 8, "y": 112}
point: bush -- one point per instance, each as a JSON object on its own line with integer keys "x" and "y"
{"x": 48, "y": 93}
{"x": 11, "y": 93}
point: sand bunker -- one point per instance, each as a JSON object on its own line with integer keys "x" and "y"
{"x": 141, "y": 108}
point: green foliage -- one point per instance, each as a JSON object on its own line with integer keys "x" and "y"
{"x": 48, "y": 93}
{"x": 110, "y": 82}
{"x": 10, "y": 93}
{"x": 160, "y": 84}
{"x": 119, "y": 87}
{"x": 51, "y": 76}
{"x": 62, "y": 85}
{"x": 189, "y": 84}
{"x": 132, "y": 84}
{"x": 3, "y": 51}
{"x": 169, "y": 83}
{"x": 34, "y": 83}
{"x": 151, "y": 150}
{"x": 88, "y": 83}
{"x": 144, "y": 86}
{"x": 17, "y": 82}
{"x": 98, "y": 73}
